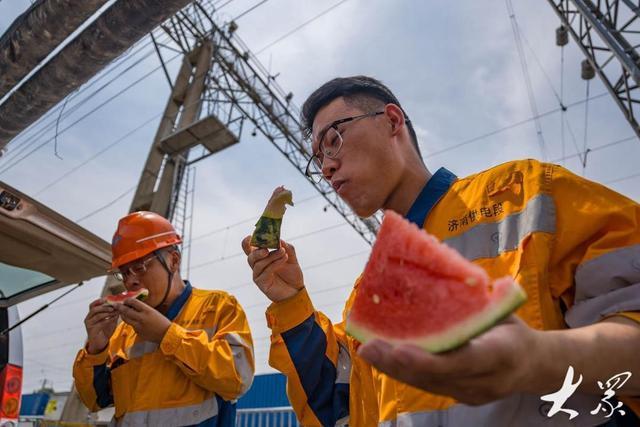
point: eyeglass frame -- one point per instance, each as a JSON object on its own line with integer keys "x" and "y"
{"x": 122, "y": 276}
{"x": 334, "y": 125}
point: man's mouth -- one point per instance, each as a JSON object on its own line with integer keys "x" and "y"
{"x": 338, "y": 185}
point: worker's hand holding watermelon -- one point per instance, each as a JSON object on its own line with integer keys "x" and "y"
{"x": 149, "y": 323}
{"x": 277, "y": 273}
{"x": 429, "y": 317}
{"x": 489, "y": 367}
{"x": 100, "y": 322}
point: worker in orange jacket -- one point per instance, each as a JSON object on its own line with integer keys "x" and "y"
{"x": 574, "y": 246}
{"x": 181, "y": 357}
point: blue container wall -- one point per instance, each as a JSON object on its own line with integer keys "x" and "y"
{"x": 34, "y": 403}
{"x": 267, "y": 391}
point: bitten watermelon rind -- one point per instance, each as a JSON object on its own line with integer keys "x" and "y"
{"x": 267, "y": 230}
{"x": 457, "y": 335}
{"x": 141, "y": 295}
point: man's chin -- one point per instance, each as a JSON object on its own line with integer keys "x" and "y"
{"x": 362, "y": 211}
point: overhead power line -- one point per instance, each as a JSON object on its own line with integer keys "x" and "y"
{"x": 252, "y": 8}
{"x": 137, "y": 81}
{"x": 112, "y": 202}
{"x": 306, "y": 268}
{"x": 290, "y": 239}
{"x": 98, "y": 154}
{"x": 527, "y": 78}
{"x": 579, "y": 154}
{"x": 508, "y": 127}
{"x": 624, "y": 178}
{"x": 299, "y": 27}
{"x": 19, "y": 146}
{"x": 246, "y": 220}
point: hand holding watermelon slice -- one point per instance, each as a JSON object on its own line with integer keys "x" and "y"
{"x": 418, "y": 299}
{"x": 510, "y": 358}
{"x": 277, "y": 273}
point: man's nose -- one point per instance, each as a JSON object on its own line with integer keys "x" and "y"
{"x": 130, "y": 281}
{"x": 329, "y": 166}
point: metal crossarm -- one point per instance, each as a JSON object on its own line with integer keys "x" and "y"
{"x": 608, "y": 33}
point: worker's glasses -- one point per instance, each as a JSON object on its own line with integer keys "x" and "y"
{"x": 330, "y": 142}
{"x": 136, "y": 270}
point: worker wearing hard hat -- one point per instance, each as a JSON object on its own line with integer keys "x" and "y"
{"x": 181, "y": 357}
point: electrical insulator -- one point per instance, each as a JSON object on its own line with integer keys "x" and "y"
{"x": 562, "y": 36}
{"x": 588, "y": 71}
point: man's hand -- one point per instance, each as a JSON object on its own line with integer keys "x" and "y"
{"x": 489, "y": 367}
{"x": 101, "y": 322}
{"x": 148, "y": 322}
{"x": 277, "y": 274}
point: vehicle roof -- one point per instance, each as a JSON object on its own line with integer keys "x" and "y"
{"x": 41, "y": 250}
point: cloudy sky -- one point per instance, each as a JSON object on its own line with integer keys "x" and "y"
{"x": 453, "y": 65}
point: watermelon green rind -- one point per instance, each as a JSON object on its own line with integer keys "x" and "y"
{"x": 267, "y": 230}
{"x": 141, "y": 295}
{"x": 455, "y": 335}
{"x": 267, "y": 233}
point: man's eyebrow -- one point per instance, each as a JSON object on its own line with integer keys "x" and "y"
{"x": 324, "y": 129}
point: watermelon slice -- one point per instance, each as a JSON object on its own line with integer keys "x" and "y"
{"x": 417, "y": 290}
{"x": 267, "y": 231}
{"x": 140, "y": 294}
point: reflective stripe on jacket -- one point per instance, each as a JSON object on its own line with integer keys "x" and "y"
{"x": 204, "y": 362}
{"x": 574, "y": 246}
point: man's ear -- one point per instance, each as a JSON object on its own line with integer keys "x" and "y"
{"x": 395, "y": 115}
{"x": 176, "y": 257}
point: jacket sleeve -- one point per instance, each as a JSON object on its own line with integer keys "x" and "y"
{"x": 597, "y": 250}
{"x": 93, "y": 379}
{"x": 313, "y": 355}
{"x": 597, "y": 254}
{"x": 218, "y": 358}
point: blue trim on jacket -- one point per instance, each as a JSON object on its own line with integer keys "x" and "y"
{"x": 307, "y": 346}
{"x": 177, "y": 305}
{"x": 436, "y": 187}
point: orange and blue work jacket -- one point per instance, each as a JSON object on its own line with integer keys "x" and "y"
{"x": 573, "y": 245}
{"x": 193, "y": 377}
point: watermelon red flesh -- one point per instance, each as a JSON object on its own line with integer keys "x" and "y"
{"x": 140, "y": 294}
{"x": 402, "y": 240}
{"x": 417, "y": 290}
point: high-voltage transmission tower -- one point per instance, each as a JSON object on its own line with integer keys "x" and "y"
{"x": 608, "y": 33}
{"x": 238, "y": 89}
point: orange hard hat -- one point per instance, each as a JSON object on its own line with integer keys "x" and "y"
{"x": 139, "y": 234}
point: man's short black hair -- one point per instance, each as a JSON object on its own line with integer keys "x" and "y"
{"x": 365, "y": 93}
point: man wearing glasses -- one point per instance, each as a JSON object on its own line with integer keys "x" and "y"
{"x": 572, "y": 244}
{"x": 181, "y": 357}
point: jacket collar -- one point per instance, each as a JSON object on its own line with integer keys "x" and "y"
{"x": 179, "y": 302}
{"x": 432, "y": 192}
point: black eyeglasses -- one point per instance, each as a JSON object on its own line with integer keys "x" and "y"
{"x": 330, "y": 145}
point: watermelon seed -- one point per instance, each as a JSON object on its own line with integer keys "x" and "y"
{"x": 471, "y": 281}
{"x": 376, "y": 299}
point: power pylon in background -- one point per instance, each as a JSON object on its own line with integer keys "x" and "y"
{"x": 239, "y": 89}
{"x": 608, "y": 34}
